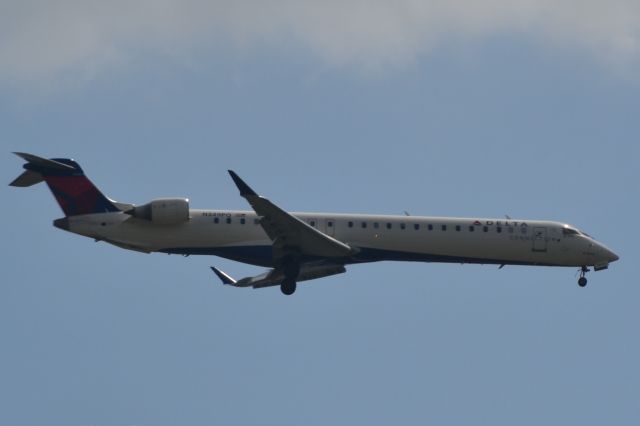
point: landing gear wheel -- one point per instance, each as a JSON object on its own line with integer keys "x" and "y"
{"x": 288, "y": 287}
{"x": 582, "y": 281}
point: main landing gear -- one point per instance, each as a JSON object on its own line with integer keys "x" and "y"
{"x": 291, "y": 270}
{"x": 288, "y": 286}
{"x": 582, "y": 281}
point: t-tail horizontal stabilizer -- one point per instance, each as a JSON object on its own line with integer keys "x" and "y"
{"x": 33, "y": 175}
{"x": 73, "y": 191}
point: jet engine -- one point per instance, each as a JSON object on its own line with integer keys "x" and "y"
{"x": 163, "y": 211}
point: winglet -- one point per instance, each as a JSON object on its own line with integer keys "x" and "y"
{"x": 245, "y": 190}
{"x": 226, "y": 279}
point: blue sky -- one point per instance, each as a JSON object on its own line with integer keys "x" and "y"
{"x": 523, "y": 110}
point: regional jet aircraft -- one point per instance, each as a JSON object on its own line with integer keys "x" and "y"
{"x": 304, "y": 246}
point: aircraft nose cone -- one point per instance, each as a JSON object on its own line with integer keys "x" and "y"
{"x": 612, "y": 256}
{"x": 62, "y": 223}
{"x": 608, "y": 254}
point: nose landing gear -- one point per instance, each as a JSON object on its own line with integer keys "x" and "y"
{"x": 582, "y": 281}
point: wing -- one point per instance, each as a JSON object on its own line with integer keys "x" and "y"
{"x": 288, "y": 233}
{"x": 308, "y": 271}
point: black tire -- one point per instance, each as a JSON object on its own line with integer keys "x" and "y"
{"x": 288, "y": 287}
{"x": 582, "y": 282}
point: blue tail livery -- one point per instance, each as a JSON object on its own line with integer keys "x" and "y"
{"x": 73, "y": 191}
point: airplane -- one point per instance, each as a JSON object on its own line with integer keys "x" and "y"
{"x": 304, "y": 246}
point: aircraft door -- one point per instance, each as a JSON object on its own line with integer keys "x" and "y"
{"x": 540, "y": 239}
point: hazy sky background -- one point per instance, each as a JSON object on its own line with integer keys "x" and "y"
{"x": 479, "y": 109}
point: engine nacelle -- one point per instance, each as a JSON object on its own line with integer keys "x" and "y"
{"x": 163, "y": 211}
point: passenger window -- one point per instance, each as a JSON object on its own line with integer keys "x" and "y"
{"x": 472, "y": 228}
{"x": 485, "y": 229}
{"x": 350, "y": 224}
{"x": 376, "y": 225}
{"x": 228, "y": 220}
{"x": 510, "y": 230}
{"x": 416, "y": 226}
{"x": 312, "y": 223}
{"x": 430, "y": 227}
{"x": 403, "y": 226}
{"x": 388, "y": 225}
{"x": 364, "y": 225}
{"x": 242, "y": 221}
{"x": 444, "y": 227}
{"x": 523, "y": 230}
{"x": 330, "y": 224}
{"x": 216, "y": 220}
{"x": 498, "y": 229}
{"x": 458, "y": 228}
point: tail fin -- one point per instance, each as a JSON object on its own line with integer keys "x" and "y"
{"x": 75, "y": 193}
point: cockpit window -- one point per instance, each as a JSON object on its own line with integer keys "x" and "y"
{"x": 570, "y": 231}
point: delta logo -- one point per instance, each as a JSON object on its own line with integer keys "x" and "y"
{"x": 499, "y": 223}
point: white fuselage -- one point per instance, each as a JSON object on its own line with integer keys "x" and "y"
{"x": 238, "y": 235}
